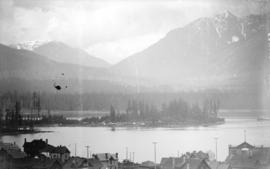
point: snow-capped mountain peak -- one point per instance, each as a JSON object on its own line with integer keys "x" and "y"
{"x": 28, "y": 45}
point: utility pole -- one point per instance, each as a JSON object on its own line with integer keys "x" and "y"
{"x": 155, "y": 154}
{"x": 75, "y": 150}
{"x": 245, "y": 138}
{"x": 127, "y": 153}
{"x": 216, "y": 140}
{"x": 87, "y": 150}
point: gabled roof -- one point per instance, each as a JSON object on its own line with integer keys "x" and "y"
{"x": 47, "y": 149}
{"x": 200, "y": 155}
{"x": 245, "y": 145}
{"x": 168, "y": 162}
{"x": 105, "y": 156}
{"x": 194, "y": 163}
{"x": 38, "y": 145}
{"x": 35, "y": 143}
{"x": 60, "y": 150}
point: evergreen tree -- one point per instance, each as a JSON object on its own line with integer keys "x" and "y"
{"x": 112, "y": 114}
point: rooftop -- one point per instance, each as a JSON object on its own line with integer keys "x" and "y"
{"x": 60, "y": 150}
{"x": 106, "y": 156}
{"x": 195, "y": 163}
{"x": 168, "y": 162}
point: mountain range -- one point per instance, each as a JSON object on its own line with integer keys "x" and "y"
{"x": 61, "y": 52}
{"x": 222, "y": 51}
{"x": 210, "y": 51}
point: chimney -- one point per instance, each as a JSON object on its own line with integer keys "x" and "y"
{"x": 46, "y": 141}
{"x": 24, "y": 140}
{"x": 106, "y": 155}
{"x": 116, "y": 155}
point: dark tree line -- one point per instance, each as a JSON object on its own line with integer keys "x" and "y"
{"x": 103, "y": 101}
{"x": 136, "y": 109}
{"x": 177, "y": 110}
{"x": 12, "y": 116}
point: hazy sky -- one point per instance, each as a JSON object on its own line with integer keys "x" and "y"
{"x": 109, "y": 29}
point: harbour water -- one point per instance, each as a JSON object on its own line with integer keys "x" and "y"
{"x": 170, "y": 141}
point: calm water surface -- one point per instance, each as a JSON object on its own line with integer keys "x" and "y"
{"x": 139, "y": 140}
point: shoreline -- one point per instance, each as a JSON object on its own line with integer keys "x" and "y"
{"x": 114, "y": 126}
{"x": 18, "y": 132}
{"x": 141, "y": 125}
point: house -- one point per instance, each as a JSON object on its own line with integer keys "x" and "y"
{"x": 40, "y": 148}
{"x": 193, "y": 160}
{"x": 108, "y": 161}
{"x": 36, "y": 147}
{"x": 195, "y": 163}
{"x": 171, "y": 162}
{"x": 248, "y": 156}
{"x": 82, "y": 163}
{"x": 61, "y": 153}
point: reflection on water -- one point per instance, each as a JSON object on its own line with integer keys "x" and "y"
{"x": 139, "y": 140}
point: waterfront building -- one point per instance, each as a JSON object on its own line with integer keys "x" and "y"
{"x": 248, "y": 156}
